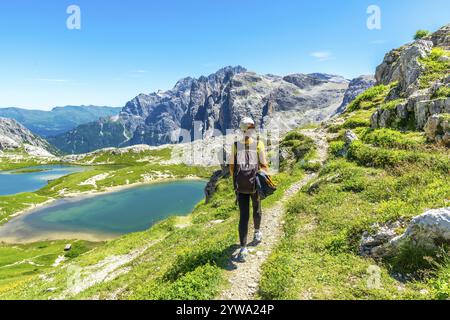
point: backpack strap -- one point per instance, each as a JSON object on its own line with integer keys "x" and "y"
{"x": 235, "y": 163}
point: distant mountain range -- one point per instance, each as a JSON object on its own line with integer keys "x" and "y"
{"x": 59, "y": 120}
{"x": 217, "y": 101}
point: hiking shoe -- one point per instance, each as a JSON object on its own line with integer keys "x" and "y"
{"x": 242, "y": 256}
{"x": 258, "y": 237}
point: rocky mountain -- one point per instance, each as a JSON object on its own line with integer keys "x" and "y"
{"x": 355, "y": 88}
{"x": 14, "y": 136}
{"x": 59, "y": 119}
{"x": 420, "y": 100}
{"x": 214, "y": 102}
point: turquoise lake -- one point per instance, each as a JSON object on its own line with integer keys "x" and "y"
{"x": 14, "y": 181}
{"x": 105, "y": 216}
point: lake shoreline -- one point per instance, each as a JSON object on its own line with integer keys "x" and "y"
{"x": 79, "y": 196}
{"x": 95, "y": 193}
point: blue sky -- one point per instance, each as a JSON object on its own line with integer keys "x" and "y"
{"x": 128, "y": 47}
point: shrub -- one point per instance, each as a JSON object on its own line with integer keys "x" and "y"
{"x": 336, "y": 147}
{"x": 356, "y": 122}
{"x": 200, "y": 284}
{"x": 310, "y": 166}
{"x": 389, "y": 138}
{"x": 380, "y": 157}
{"x": 297, "y": 145}
{"x": 421, "y": 34}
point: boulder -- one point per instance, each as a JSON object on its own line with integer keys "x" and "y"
{"x": 437, "y": 128}
{"x": 428, "y": 230}
{"x": 349, "y": 137}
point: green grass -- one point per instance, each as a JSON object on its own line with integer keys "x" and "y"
{"x": 130, "y": 157}
{"x": 21, "y": 262}
{"x": 442, "y": 92}
{"x": 389, "y": 138}
{"x": 436, "y": 67}
{"x": 318, "y": 258}
{"x": 370, "y": 98}
{"x": 371, "y": 156}
{"x": 386, "y": 175}
{"x": 14, "y": 203}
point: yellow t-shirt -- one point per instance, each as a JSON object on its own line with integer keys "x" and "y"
{"x": 260, "y": 149}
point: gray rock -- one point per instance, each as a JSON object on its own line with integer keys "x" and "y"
{"x": 426, "y": 108}
{"x": 382, "y": 235}
{"x": 437, "y": 128}
{"x": 441, "y": 38}
{"x": 349, "y": 137}
{"x": 427, "y": 230}
{"x": 402, "y": 65}
{"x": 13, "y": 135}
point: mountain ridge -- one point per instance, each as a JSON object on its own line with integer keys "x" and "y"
{"x": 215, "y": 102}
{"x": 59, "y": 119}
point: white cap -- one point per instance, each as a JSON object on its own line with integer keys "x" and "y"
{"x": 247, "y": 123}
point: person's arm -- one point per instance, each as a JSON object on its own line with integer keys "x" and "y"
{"x": 263, "y": 163}
{"x": 231, "y": 166}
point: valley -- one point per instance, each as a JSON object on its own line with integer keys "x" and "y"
{"x": 361, "y": 211}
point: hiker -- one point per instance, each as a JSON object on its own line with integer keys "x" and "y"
{"x": 247, "y": 158}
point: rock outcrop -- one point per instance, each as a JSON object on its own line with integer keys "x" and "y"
{"x": 403, "y": 65}
{"x": 420, "y": 96}
{"x": 13, "y": 136}
{"x": 209, "y": 104}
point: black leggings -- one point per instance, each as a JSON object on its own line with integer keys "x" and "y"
{"x": 244, "y": 208}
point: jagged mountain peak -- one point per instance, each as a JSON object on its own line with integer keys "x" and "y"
{"x": 217, "y": 101}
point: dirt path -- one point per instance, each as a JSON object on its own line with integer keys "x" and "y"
{"x": 244, "y": 277}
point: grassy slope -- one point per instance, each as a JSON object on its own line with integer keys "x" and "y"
{"x": 19, "y": 263}
{"x": 182, "y": 257}
{"x": 386, "y": 175}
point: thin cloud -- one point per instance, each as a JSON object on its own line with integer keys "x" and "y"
{"x": 140, "y": 71}
{"x": 378, "y": 41}
{"x": 51, "y": 80}
{"x": 322, "y": 55}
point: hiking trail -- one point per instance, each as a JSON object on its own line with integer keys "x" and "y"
{"x": 244, "y": 278}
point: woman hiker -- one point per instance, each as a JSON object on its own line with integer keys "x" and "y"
{"x": 248, "y": 157}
